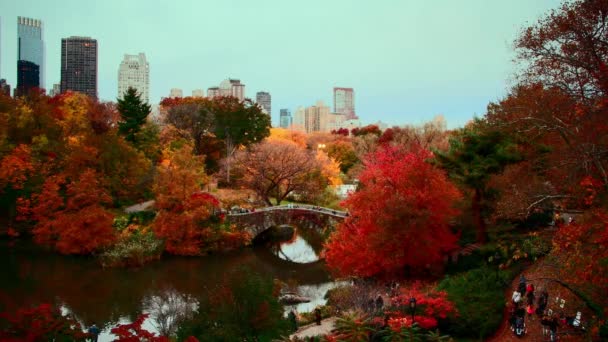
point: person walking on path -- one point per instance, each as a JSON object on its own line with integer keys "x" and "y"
{"x": 379, "y": 302}
{"x": 553, "y": 325}
{"x": 522, "y": 284}
{"x": 94, "y": 332}
{"x": 542, "y": 302}
{"x": 318, "y": 316}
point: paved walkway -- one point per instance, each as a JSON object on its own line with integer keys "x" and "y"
{"x": 537, "y": 275}
{"x": 327, "y": 325}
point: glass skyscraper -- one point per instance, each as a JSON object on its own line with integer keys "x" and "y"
{"x": 79, "y": 65}
{"x": 30, "y": 55}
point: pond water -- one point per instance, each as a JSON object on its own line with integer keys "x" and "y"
{"x": 30, "y": 276}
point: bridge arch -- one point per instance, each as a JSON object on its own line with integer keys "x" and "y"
{"x": 305, "y": 216}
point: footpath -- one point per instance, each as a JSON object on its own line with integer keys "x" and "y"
{"x": 327, "y": 325}
{"x": 561, "y": 300}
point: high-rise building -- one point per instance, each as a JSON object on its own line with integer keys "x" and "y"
{"x": 30, "y": 55}
{"x": 134, "y": 72}
{"x": 316, "y": 118}
{"x": 344, "y": 102}
{"x": 198, "y": 93}
{"x": 5, "y": 88}
{"x": 213, "y": 92}
{"x": 228, "y": 87}
{"x": 79, "y": 65}
{"x": 176, "y": 92}
{"x": 299, "y": 118}
{"x": 264, "y": 100}
{"x": 285, "y": 118}
{"x": 56, "y": 90}
{"x": 28, "y": 77}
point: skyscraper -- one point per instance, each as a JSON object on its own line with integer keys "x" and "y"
{"x": 228, "y": 87}
{"x": 263, "y": 99}
{"x": 176, "y": 92}
{"x": 285, "y": 118}
{"x": 344, "y": 102}
{"x": 316, "y": 118}
{"x": 30, "y": 55}
{"x": 134, "y": 72}
{"x": 198, "y": 93}
{"x": 79, "y": 65}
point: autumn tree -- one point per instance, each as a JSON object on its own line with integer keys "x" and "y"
{"x": 475, "y": 154}
{"x": 183, "y": 217}
{"x": 70, "y": 215}
{"x": 133, "y": 113}
{"x": 399, "y": 218}
{"x": 278, "y": 168}
{"x": 568, "y": 49}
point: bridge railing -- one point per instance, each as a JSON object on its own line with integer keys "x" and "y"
{"x": 308, "y": 207}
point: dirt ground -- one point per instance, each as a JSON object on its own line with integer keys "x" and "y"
{"x": 558, "y": 295}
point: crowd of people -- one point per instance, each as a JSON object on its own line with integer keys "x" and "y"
{"x": 528, "y": 304}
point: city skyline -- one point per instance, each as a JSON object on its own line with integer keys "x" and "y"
{"x": 407, "y": 61}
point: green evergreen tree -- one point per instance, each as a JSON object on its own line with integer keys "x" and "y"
{"x": 477, "y": 152}
{"x": 133, "y": 112}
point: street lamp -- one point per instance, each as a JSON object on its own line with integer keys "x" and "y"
{"x": 321, "y": 146}
{"x": 413, "y": 307}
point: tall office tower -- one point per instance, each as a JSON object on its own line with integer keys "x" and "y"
{"x": 176, "y": 92}
{"x": 299, "y": 117}
{"x": 285, "y": 118}
{"x": 79, "y": 65}
{"x": 344, "y": 102}
{"x": 1, "y": 47}
{"x": 198, "y": 93}
{"x": 134, "y": 72}
{"x": 28, "y": 77}
{"x": 263, "y": 99}
{"x": 56, "y": 90}
{"x": 213, "y": 92}
{"x": 5, "y": 88}
{"x": 232, "y": 87}
{"x": 316, "y": 118}
{"x": 30, "y": 55}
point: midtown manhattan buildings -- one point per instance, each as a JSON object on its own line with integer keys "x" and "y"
{"x": 30, "y": 55}
{"x": 228, "y": 87}
{"x": 344, "y": 102}
{"x": 285, "y": 118}
{"x": 79, "y": 65}
{"x": 134, "y": 72}
{"x": 264, "y": 100}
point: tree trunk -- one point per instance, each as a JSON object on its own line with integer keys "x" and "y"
{"x": 477, "y": 218}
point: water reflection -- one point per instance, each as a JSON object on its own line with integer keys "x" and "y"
{"x": 296, "y": 250}
{"x": 168, "y": 290}
{"x": 169, "y": 308}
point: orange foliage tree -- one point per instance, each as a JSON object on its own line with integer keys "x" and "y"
{"x": 398, "y": 219}
{"x": 74, "y": 223}
{"x": 182, "y": 217}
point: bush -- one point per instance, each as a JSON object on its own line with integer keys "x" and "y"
{"x": 134, "y": 250}
{"x": 479, "y": 300}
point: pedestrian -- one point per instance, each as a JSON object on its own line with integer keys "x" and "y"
{"x": 94, "y": 332}
{"x": 553, "y": 325}
{"x": 522, "y": 284}
{"x": 318, "y": 316}
{"x": 545, "y": 322}
{"x": 530, "y": 297}
{"x": 529, "y": 288}
{"x": 379, "y": 303}
{"x": 512, "y": 316}
{"x": 293, "y": 320}
{"x": 542, "y": 302}
{"x": 516, "y": 297}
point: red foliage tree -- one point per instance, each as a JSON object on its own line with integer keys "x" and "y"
{"x": 430, "y": 307}
{"x": 74, "y": 223}
{"x": 42, "y": 323}
{"x": 399, "y": 218}
{"x": 133, "y": 332}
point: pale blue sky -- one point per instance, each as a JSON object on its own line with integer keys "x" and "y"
{"x": 407, "y": 60}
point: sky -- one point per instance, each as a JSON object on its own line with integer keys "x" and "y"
{"x": 407, "y": 60}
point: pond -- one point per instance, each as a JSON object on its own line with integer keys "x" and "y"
{"x": 78, "y": 285}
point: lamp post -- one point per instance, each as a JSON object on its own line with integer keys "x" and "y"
{"x": 413, "y": 307}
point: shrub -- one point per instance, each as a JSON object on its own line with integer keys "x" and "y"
{"x": 479, "y": 301}
{"x": 134, "y": 250}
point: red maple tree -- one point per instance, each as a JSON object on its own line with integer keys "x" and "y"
{"x": 399, "y": 218}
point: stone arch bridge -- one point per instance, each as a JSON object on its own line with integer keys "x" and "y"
{"x": 299, "y": 215}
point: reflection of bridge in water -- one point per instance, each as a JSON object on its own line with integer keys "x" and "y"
{"x": 300, "y": 215}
